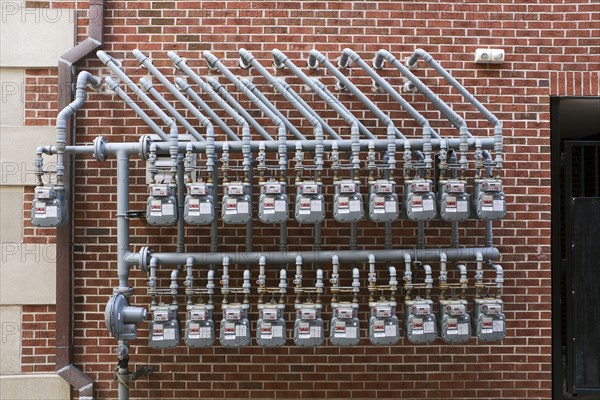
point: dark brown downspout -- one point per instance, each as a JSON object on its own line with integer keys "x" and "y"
{"x": 64, "y": 235}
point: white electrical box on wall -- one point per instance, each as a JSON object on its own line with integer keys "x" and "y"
{"x": 489, "y": 56}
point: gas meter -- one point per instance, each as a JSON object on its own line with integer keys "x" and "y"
{"x": 162, "y": 205}
{"x": 164, "y": 327}
{"x": 347, "y": 202}
{"x": 199, "y": 207}
{"x": 273, "y": 202}
{"x": 419, "y": 321}
{"x": 384, "y": 328}
{"x": 383, "y": 201}
{"x": 49, "y": 206}
{"x": 310, "y": 204}
{"x": 235, "y": 326}
{"x": 455, "y": 322}
{"x": 270, "y": 327}
{"x": 489, "y": 201}
{"x": 489, "y": 320}
{"x": 200, "y": 326}
{"x": 344, "y": 327}
{"x": 236, "y": 203}
{"x": 419, "y": 200}
{"x": 453, "y": 200}
{"x": 308, "y": 326}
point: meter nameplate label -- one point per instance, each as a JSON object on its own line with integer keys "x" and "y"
{"x": 305, "y": 203}
{"x": 498, "y": 205}
{"x": 379, "y": 206}
{"x": 487, "y": 202}
{"x": 242, "y": 207}
{"x": 344, "y": 312}
{"x": 455, "y": 187}
{"x": 309, "y": 189}
{"x": 168, "y": 209}
{"x": 194, "y": 207}
{"x": 343, "y": 205}
{"x": 269, "y": 205}
{"x": 235, "y": 190}
{"x": 354, "y": 205}
{"x": 340, "y": 329}
{"x": 451, "y": 204}
{"x": 462, "y": 206}
{"x": 280, "y": 205}
{"x": 272, "y": 188}
{"x": 156, "y": 208}
{"x": 391, "y": 206}
{"x": 231, "y": 206}
{"x": 347, "y": 187}
{"x": 420, "y": 186}
{"x": 316, "y": 205}
{"x": 198, "y": 190}
{"x": 40, "y": 209}
{"x": 417, "y": 203}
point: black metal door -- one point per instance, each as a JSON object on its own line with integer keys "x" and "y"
{"x": 581, "y": 170}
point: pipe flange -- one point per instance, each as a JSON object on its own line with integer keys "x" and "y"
{"x": 145, "y": 143}
{"x": 100, "y": 148}
{"x": 145, "y": 255}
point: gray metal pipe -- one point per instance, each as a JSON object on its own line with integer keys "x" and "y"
{"x": 146, "y": 63}
{"x": 363, "y": 129}
{"x": 83, "y": 79}
{"x": 247, "y": 60}
{"x": 123, "y": 222}
{"x": 349, "y": 54}
{"x": 383, "y": 55}
{"x": 270, "y": 146}
{"x": 315, "y": 58}
{"x": 214, "y": 62}
{"x": 452, "y": 254}
{"x": 180, "y": 205}
{"x": 182, "y": 65}
{"x": 260, "y": 96}
{"x": 149, "y": 87}
{"x": 115, "y": 69}
{"x": 221, "y": 91}
{"x": 114, "y": 86}
{"x": 278, "y": 56}
{"x": 420, "y": 53}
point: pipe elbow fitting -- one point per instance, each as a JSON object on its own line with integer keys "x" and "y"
{"x": 211, "y": 59}
{"x": 141, "y": 57}
{"x": 182, "y": 83}
{"x": 371, "y": 259}
{"x": 246, "y": 58}
{"x": 279, "y": 58}
{"x": 146, "y": 84}
{"x": 314, "y": 59}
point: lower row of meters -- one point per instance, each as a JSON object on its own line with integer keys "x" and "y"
{"x": 453, "y": 323}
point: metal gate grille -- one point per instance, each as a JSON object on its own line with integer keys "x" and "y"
{"x": 581, "y": 169}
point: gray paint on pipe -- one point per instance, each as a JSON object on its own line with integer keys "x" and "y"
{"x": 324, "y": 256}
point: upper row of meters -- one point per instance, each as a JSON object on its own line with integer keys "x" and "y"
{"x": 420, "y": 202}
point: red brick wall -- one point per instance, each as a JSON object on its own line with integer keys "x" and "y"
{"x": 550, "y": 50}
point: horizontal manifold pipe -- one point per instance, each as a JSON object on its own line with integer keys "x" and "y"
{"x": 270, "y": 146}
{"x": 289, "y": 257}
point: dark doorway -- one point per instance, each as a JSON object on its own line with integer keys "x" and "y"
{"x": 576, "y": 246}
